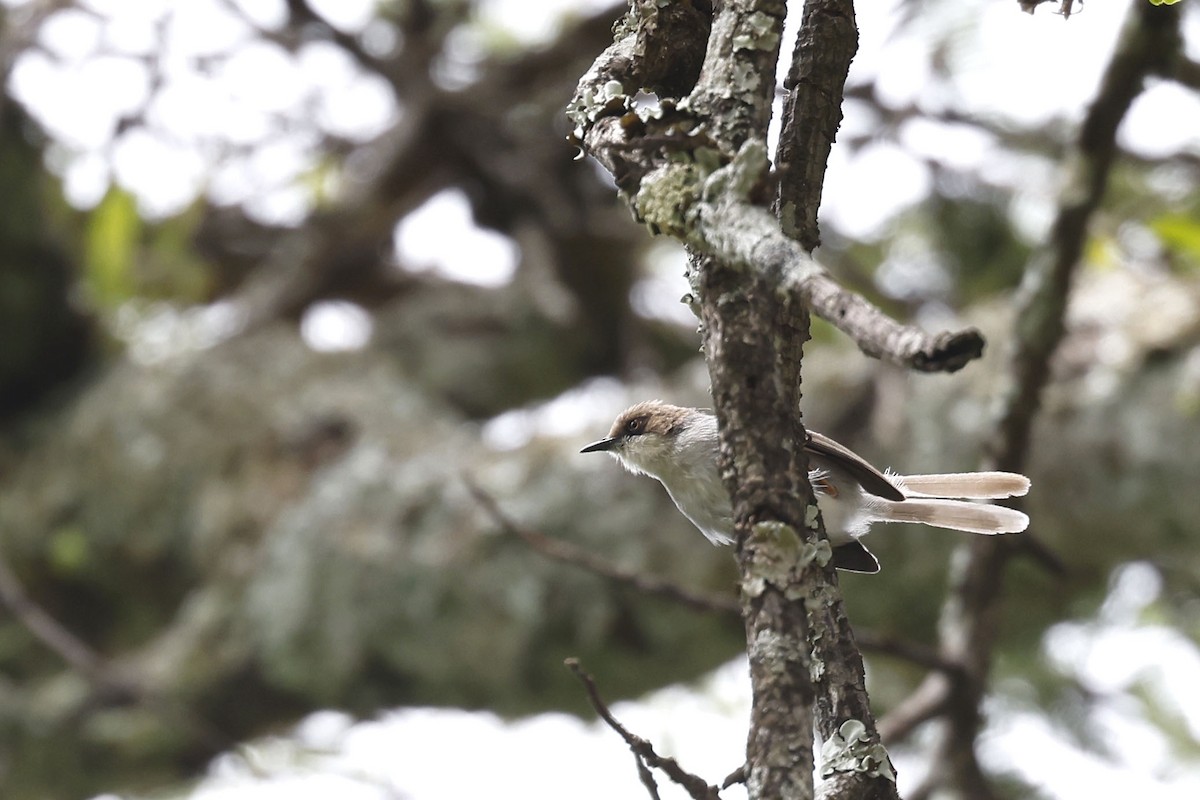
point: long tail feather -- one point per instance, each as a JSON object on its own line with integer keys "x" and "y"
{"x": 963, "y": 485}
{"x": 957, "y": 515}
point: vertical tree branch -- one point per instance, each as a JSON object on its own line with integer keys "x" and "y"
{"x": 812, "y": 111}
{"x": 740, "y": 312}
{"x": 769, "y": 501}
{"x": 971, "y": 616}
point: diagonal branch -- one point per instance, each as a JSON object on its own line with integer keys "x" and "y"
{"x": 49, "y": 631}
{"x": 694, "y": 785}
{"x": 970, "y": 618}
{"x": 567, "y": 553}
{"x": 696, "y": 168}
{"x": 110, "y": 685}
{"x": 747, "y": 235}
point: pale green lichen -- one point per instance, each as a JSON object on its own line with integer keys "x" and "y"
{"x": 757, "y": 31}
{"x": 740, "y": 175}
{"x": 594, "y": 102}
{"x": 648, "y": 111}
{"x": 787, "y": 217}
{"x": 851, "y": 750}
{"x": 745, "y": 78}
{"x": 780, "y": 534}
{"x": 666, "y": 196}
{"x": 786, "y": 556}
{"x": 782, "y": 547}
{"x": 819, "y": 551}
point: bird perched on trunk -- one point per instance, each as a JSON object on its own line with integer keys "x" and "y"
{"x": 678, "y": 446}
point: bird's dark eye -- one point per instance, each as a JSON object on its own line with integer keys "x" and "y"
{"x": 635, "y": 426}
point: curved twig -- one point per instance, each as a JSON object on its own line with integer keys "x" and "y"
{"x": 694, "y": 785}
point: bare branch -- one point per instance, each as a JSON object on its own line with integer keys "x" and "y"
{"x": 694, "y": 785}
{"x": 812, "y": 111}
{"x": 735, "y": 777}
{"x": 567, "y": 553}
{"x": 47, "y": 630}
{"x": 749, "y": 235}
{"x": 927, "y": 702}
{"x": 110, "y": 686}
{"x": 970, "y": 618}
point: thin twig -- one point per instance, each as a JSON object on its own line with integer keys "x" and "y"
{"x": 110, "y": 686}
{"x": 694, "y": 785}
{"x": 915, "y": 652}
{"x": 737, "y": 776}
{"x": 567, "y": 553}
{"x": 926, "y": 702}
{"x": 47, "y": 630}
{"x": 646, "y": 777}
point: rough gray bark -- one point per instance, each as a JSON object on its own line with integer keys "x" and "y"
{"x": 689, "y": 170}
{"x": 812, "y": 111}
{"x": 766, "y": 477}
{"x": 697, "y": 169}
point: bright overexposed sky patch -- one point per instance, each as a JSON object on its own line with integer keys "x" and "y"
{"x": 866, "y": 189}
{"x": 94, "y": 79}
{"x": 442, "y": 237}
{"x": 418, "y": 753}
{"x": 658, "y": 294}
{"x": 333, "y": 325}
{"x": 221, "y": 94}
{"x": 586, "y": 408}
{"x": 1164, "y": 119}
{"x": 423, "y": 753}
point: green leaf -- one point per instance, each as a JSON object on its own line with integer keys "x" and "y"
{"x": 111, "y": 245}
{"x": 1179, "y": 233}
{"x": 68, "y": 551}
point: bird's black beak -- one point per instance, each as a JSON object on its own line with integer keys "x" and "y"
{"x": 601, "y": 446}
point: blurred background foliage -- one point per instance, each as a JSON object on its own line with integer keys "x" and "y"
{"x": 275, "y": 277}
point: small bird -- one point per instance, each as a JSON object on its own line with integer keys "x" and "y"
{"x": 679, "y": 446}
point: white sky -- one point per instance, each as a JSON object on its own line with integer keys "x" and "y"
{"x": 231, "y": 132}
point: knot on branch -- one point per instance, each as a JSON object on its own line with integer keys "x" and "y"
{"x": 948, "y": 351}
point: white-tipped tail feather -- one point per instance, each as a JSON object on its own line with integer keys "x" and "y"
{"x": 959, "y": 515}
{"x": 943, "y": 501}
{"x": 963, "y": 485}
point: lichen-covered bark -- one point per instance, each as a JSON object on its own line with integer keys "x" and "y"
{"x": 697, "y": 169}
{"x": 777, "y": 560}
{"x": 853, "y": 760}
